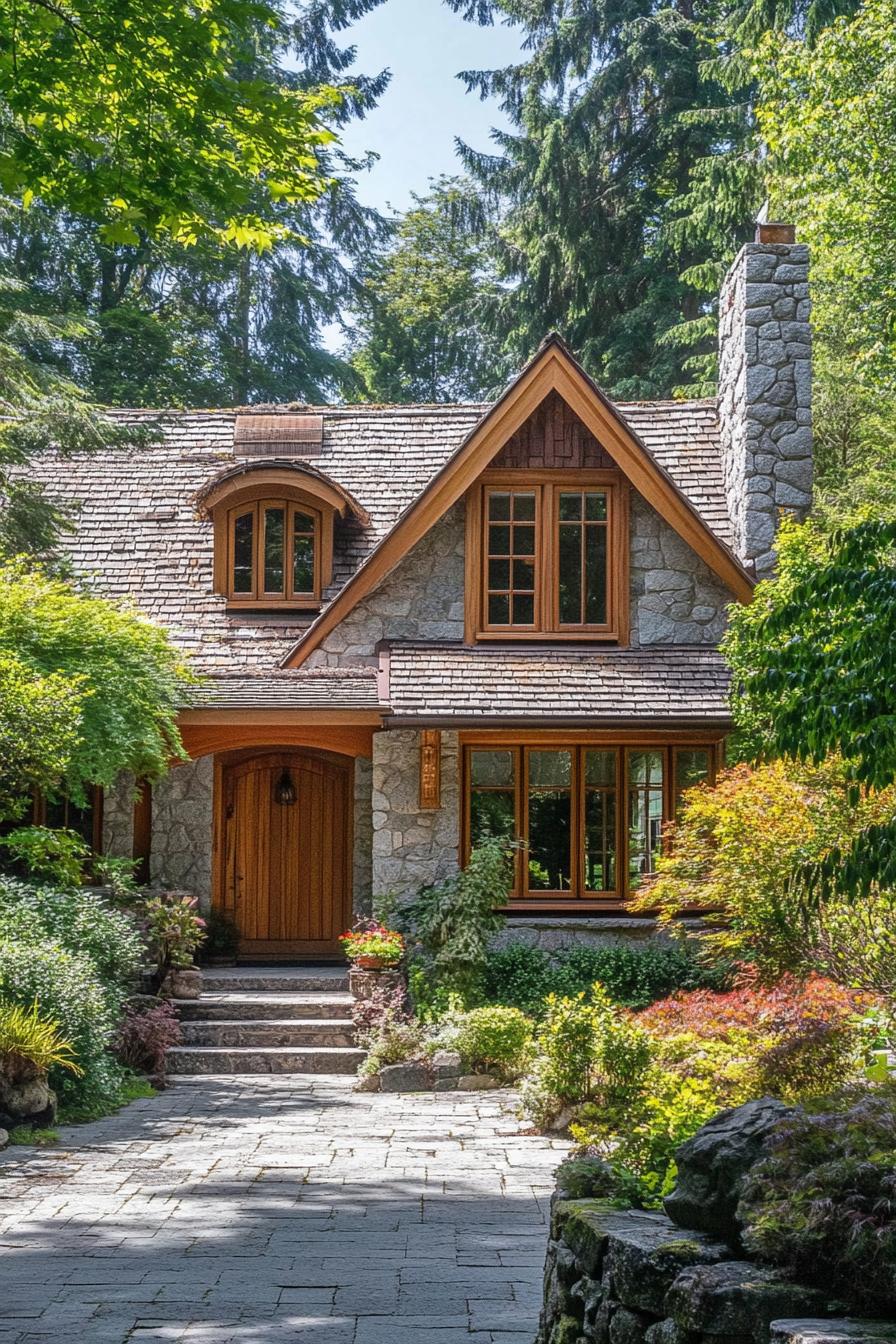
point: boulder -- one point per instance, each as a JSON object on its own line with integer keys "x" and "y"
{"x": 477, "y": 1082}
{"x": 628, "y": 1327}
{"x": 645, "y": 1257}
{"x": 446, "y": 1064}
{"x": 184, "y": 982}
{"x": 29, "y": 1102}
{"x": 841, "y": 1330}
{"x": 370, "y": 1082}
{"x": 737, "y": 1300}
{"x": 712, "y": 1166}
{"x": 410, "y": 1077}
{"x": 667, "y": 1332}
{"x": 4, "y": 1138}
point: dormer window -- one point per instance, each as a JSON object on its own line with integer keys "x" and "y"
{"x": 273, "y": 532}
{"x": 549, "y": 556}
{"x": 274, "y": 552}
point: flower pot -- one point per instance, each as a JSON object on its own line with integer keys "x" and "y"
{"x": 183, "y": 983}
{"x": 373, "y": 963}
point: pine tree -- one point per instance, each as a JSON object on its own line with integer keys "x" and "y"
{"x": 420, "y": 337}
{"x": 631, "y": 175}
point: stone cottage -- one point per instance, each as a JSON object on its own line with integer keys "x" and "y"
{"x": 417, "y": 625}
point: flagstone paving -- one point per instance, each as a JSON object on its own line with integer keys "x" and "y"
{"x": 242, "y": 1210}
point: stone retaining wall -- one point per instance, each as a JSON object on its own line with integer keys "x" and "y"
{"x": 631, "y": 1277}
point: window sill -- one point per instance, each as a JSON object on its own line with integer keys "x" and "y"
{"x": 549, "y": 636}
{"x": 271, "y": 605}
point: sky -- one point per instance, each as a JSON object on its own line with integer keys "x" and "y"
{"x": 413, "y": 128}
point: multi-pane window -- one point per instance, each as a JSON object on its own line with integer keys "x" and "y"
{"x": 548, "y": 552}
{"x": 273, "y": 547}
{"x": 582, "y": 519}
{"x": 589, "y": 818}
{"x": 646, "y": 771}
{"x": 511, "y": 557}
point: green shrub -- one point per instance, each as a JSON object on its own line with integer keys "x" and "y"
{"x": 80, "y": 920}
{"x": 67, "y": 989}
{"x": 823, "y": 1204}
{"x": 49, "y": 855}
{"x": 448, "y": 926}
{"x": 494, "y": 1038}
{"x": 522, "y": 976}
{"x": 587, "y": 1051}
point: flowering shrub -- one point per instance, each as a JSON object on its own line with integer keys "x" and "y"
{"x": 369, "y": 939}
{"x": 67, "y": 990}
{"x": 823, "y": 1204}
{"x": 145, "y": 1035}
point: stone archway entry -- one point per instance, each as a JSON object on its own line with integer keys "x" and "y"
{"x": 284, "y": 846}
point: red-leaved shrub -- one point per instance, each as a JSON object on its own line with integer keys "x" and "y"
{"x": 146, "y": 1033}
{"x": 803, "y": 1037}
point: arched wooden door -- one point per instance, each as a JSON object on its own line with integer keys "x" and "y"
{"x": 286, "y": 852}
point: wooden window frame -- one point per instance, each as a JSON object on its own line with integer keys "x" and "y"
{"x": 292, "y": 502}
{"x": 547, "y": 486}
{"x": 578, "y": 898}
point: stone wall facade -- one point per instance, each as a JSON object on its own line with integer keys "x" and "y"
{"x": 412, "y": 847}
{"x": 423, "y": 598}
{"x": 118, "y": 818}
{"x": 765, "y": 393}
{"x": 362, "y": 850}
{"x": 675, "y": 597}
{"x": 182, "y": 824}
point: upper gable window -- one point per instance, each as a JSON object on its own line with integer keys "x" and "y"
{"x": 274, "y": 552}
{"x": 273, "y": 532}
{"x": 549, "y": 556}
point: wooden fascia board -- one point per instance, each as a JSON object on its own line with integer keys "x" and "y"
{"x": 292, "y": 717}
{"x": 651, "y": 480}
{"x": 552, "y": 370}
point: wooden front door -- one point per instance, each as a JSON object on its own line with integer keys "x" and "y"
{"x": 286, "y": 852}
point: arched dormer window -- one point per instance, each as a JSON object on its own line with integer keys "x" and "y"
{"x": 273, "y": 530}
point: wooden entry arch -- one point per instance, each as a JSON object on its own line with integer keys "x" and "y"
{"x": 283, "y": 850}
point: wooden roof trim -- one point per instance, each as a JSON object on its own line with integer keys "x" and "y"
{"x": 552, "y": 368}
{"x": 270, "y": 477}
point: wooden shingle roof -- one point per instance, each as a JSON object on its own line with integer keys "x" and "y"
{"x": 452, "y": 685}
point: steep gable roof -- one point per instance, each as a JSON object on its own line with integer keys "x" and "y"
{"x": 553, "y": 368}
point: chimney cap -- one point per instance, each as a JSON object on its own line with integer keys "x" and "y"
{"x": 768, "y": 231}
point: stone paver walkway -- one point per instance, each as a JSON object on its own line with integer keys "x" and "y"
{"x": 286, "y": 1208}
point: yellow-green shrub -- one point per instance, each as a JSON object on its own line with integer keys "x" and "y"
{"x": 31, "y": 1044}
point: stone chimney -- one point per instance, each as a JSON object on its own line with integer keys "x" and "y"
{"x": 765, "y": 390}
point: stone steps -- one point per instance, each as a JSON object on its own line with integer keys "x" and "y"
{"x": 276, "y": 980}
{"x": 252, "y": 1020}
{"x": 236, "y": 1006}
{"x": 209, "y": 1059}
{"x": 286, "y": 1032}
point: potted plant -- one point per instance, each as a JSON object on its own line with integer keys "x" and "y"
{"x": 174, "y": 931}
{"x": 372, "y": 947}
